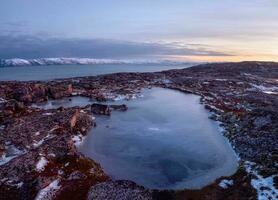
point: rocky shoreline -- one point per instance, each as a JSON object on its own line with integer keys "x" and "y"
{"x": 39, "y": 158}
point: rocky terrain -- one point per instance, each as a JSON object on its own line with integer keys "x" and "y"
{"x": 39, "y": 158}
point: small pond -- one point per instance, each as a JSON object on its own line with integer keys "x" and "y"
{"x": 164, "y": 141}
{"x": 67, "y": 102}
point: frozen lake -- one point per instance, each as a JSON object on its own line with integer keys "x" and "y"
{"x": 165, "y": 141}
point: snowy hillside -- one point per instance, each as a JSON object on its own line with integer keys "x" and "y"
{"x": 78, "y": 61}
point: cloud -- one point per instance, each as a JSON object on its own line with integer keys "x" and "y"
{"x": 27, "y": 46}
{"x": 13, "y": 27}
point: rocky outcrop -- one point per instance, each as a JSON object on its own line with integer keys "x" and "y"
{"x": 58, "y": 92}
{"x": 74, "y": 119}
{"x": 30, "y": 93}
{"x": 39, "y": 150}
{"x": 12, "y": 108}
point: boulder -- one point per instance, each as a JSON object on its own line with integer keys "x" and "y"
{"x": 30, "y": 93}
{"x": 58, "y": 92}
{"x": 12, "y": 108}
{"x": 100, "y": 109}
{"x": 74, "y": 118}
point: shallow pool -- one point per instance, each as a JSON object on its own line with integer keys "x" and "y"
{"x": 164, "y": 141}
{"x": 66, "y": 102}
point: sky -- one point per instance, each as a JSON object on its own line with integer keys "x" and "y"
{"x": 188, "y": 30}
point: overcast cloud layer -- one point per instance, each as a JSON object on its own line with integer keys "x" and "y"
{"x": 244, "y": 28}
{"x": 36, "y": 47}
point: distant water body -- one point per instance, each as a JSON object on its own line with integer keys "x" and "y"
{"x": 28, "y": 73}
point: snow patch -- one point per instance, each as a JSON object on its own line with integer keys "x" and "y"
{"x": 36, "y": 144}
{"x": 226, "y": 183}
{"x": 267, "y": 90}
{"x": 264, "y": 186}
{"x": 4, "y": 159}
{"x": 214, "y": 108}
{"x": 77, "y": 139}
{"x": 19, "y": 185}
{"x": 166, "y": 81}
{"x": 119, "y": 98}
{"x": 52, "y": 155}
{"x": 270, "y": 92}
{"x": 47, "y": 114}
{"x": 122, "y": 97}
{"x": 41, "y": 164}
{"x": 10, "y": 153}
{"x": 12, "y": 183}
{"x": 49, "y": 191}
{"x": 2, "y": 100}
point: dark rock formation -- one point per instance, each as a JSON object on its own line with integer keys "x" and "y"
{"x": 100, "y": 109}
{"x": 122, "y": 107}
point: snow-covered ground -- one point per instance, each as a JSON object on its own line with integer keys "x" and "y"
{"x": 264, "y": 185}
{"x": 10, "y": 153}
{"x": 48, "y": 192}
{"x": 264, "y": 89}
{"x": 77, "y": 139}
{"x": 41, "y": 164}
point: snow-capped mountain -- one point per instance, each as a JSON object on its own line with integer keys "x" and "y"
{"x": 78, "y": 61}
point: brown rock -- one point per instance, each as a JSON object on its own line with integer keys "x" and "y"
{"x": 39, "y": 93}
{"x": 70, "y": 89}
{"x": 74, "y": 118}
{"x": 12, "y": 108}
